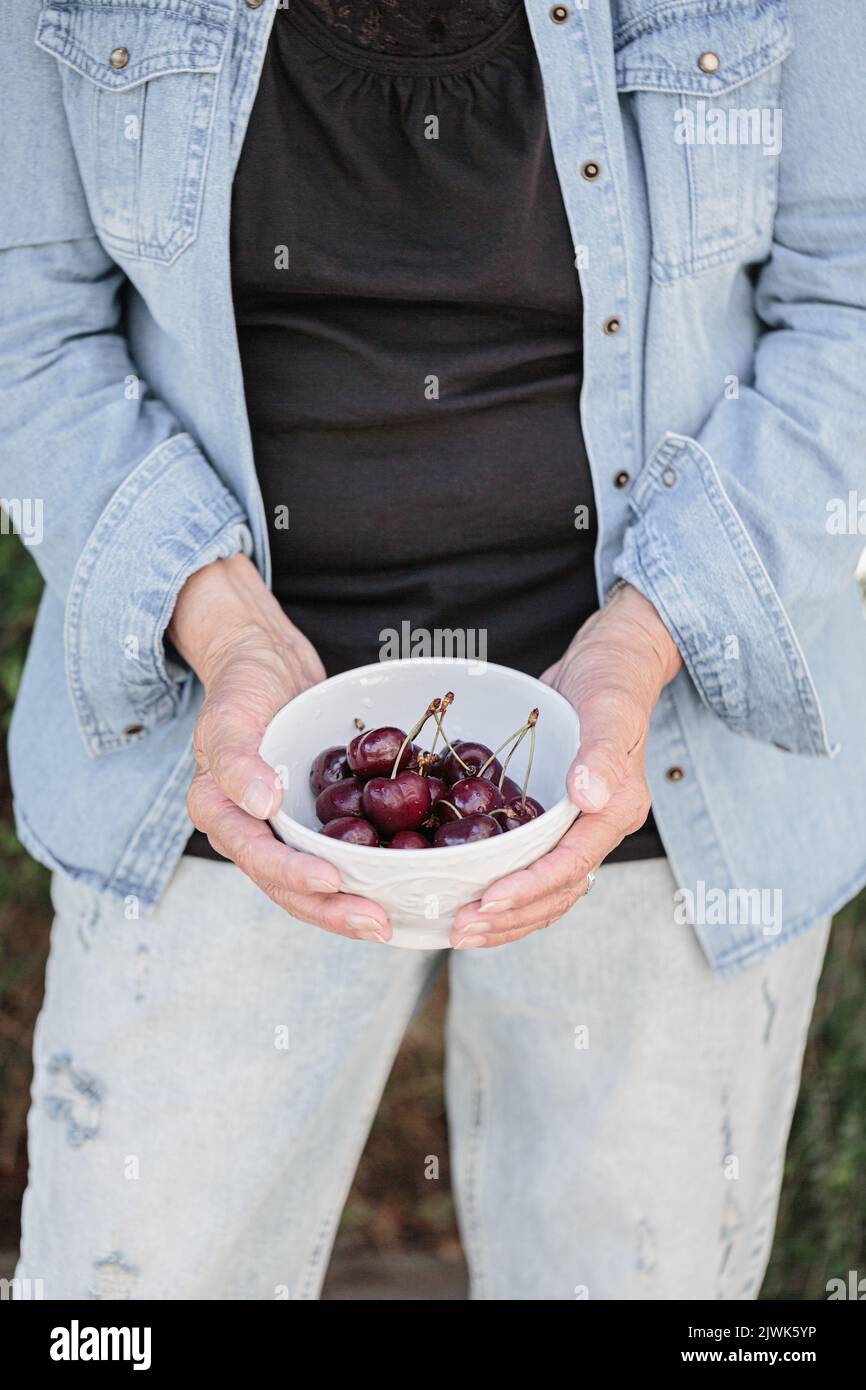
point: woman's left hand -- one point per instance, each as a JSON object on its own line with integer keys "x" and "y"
{"x": 613, "y": 674}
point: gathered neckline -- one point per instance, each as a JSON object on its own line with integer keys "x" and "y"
{"x": 389, "y": 37}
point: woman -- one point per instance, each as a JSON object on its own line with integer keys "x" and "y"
{"x": 326, "y": 318}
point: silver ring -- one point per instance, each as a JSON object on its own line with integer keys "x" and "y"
{"x": 590, "y": 880}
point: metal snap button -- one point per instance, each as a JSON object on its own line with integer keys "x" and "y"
{"x": 709, "y": 62}
{"x": 118, "y": 57}
{"x": 134, "y": 729}
{"x": 621, "y": 479}
{"x": 590, "y": 170}
{"x": 675, "y": 774}
{"x": 253, "y": 4}
{"x": 559, "y": 14}
{"x": 612, "y": 325}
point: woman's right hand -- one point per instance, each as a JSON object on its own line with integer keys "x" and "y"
{"x": 252, "y": 660}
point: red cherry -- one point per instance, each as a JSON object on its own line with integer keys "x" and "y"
{"x": 396, "y": 803}
{"x": 351, "y": 829}
{"x": 438, "y": 787}
{"x": 339, "y": 799}
{"x": 409, "y": 762}
{"x": 474, "y": 755}
{"x": 472, "y": 796}
{"x": 328, "y": 766}
{"x": 510, "y": 788}
{"x": 520, "y": 814}
{"x": 466, "y": 831}
{"x": 410, "y": 839}
{"x": 373, "y": 753}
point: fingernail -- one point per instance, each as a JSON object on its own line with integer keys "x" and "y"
{"x": 471, "y": 926}
{"x": 596, "y": 791}
{"x": 469, "y": 941}
{"x": 497, "y": 905}
{"x": 366, "y": 925}
{"x": 321, "y": 885}
{"x": 258, "y": 799}
{"x": 372, "y": 936}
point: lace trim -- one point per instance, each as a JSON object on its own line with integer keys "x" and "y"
{"x": 408, "y": 35}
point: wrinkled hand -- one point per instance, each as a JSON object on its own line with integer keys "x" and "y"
{"x": 251, "y": 660}
{"x": 613, "y": 674}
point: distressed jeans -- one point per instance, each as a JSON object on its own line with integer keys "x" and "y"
{"x": 205, "y": 1078}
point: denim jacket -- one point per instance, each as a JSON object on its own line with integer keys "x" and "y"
{"x": 714, "y": 179}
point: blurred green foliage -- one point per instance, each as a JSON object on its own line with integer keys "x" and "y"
{"x": 822, "y": 1221}
{"x": 20, "y": 587}
{"x": 24, "y": 907}
{"x": 821, "y": 1233}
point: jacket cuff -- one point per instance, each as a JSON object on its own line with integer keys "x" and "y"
{"x": 689, "y": 553}
{"x": 169, "y": 518}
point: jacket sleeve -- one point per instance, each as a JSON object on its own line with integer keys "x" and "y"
{"x": 743, "y": 534}
{"x": 121, "y": 504}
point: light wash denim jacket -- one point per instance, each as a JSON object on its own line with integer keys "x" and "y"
{"x": 724, "y": 410}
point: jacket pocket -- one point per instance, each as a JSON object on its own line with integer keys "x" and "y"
{"x": 139, "y": 87}
{"x": 700, "y": 86}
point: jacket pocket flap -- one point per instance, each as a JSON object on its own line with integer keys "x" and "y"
{"x": 119, "y": 46}
{"x": 667, "y": 50}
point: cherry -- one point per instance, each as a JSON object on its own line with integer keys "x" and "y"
{"x": 438, "y": 787}
{"x": 374, "y": 753}
{"x": 469, "y": 797}
{"x": 410, "y": 839}
{"x": 411, "y": 762}
{"x": 474, "y": 755}
{"x": 422, "y": 763}
{"x": 396, "y": 803}
{"x": 351, "y": 829}
{"x": 466, "y": 831}
{"x": 384, "y": 784}
{"x": 339, "y": 799}
{"x": 491, "y": 773}
{"x": 328, "y": 766}
{"x": 521, "y": 813}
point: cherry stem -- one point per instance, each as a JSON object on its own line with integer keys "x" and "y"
{"x": 449, "y": 746}
{"x": 529, "y": 764}
{"x": 530, "y": 724}
{"x": 518, "y": 734}
{"x": 413, "y": 733}
{"x": 452, "y": 807}
{"x": 523, "y": 732}
{"x": 447, "y": 700}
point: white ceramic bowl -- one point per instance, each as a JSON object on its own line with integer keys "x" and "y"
{"x": 422, "y": 889}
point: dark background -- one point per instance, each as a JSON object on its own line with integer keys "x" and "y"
{"x": 398, "y": 1238}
